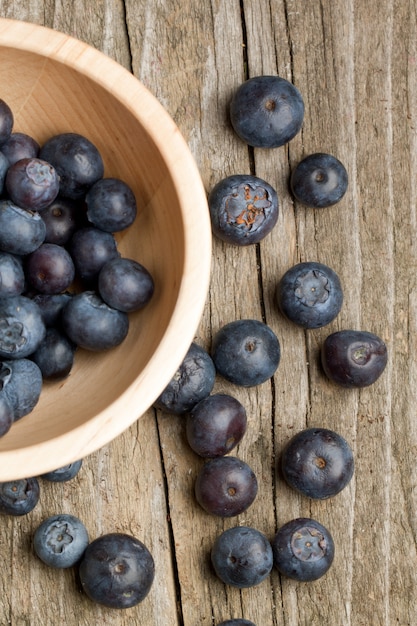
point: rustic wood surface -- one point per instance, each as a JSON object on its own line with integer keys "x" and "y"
{"x": 355, "y": 62}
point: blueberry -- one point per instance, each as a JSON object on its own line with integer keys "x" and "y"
{"x": 317, "y": 462}
{"x": 21, "y": 327}
{"x": 193, "y": 381}
{"x": 19, "y": 497}
{"x": 50, "y": 269}
{"x": 65, "y": 473}
{"x": 125, "y": 284}
{"x": 111, "y": 205}
{"x": 91, "y": 324}
{"x": 310, "y": 294}
{"x": 6, "y": 121}
{"x": 12, "y": 276}
{"x": 319, "y": 180}
{"x": 60, "y": 540}
{"x": 55, "y": 355}
{"x": 353, "y": 358}
{"x": 237, "y": 622}
{"x": 62, "y": 218}
{"x": 21, "y": 384}
{"x": 303, "y": 549}
{"x": 242, "y": 557}
{"x": 243, "y": 209}
{"x": 32, "y": 183}
{"x": 20, "y": 146}
{"x": 216, "y": 425}
{"x": 77, "y": 161}
{"x": 246, "y": 352}
{"x": 226, "y": 486}
{"x": 117, "y": 570}
{"x": 21, "y": 231}
{"x": 6, "y": 411}
{"x": 90, "y": 249}
{"x": 267, "y": 111}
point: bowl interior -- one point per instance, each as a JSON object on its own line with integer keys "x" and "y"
{"x": 56, "y": 84}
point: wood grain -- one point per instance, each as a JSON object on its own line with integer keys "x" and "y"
{"x": 355, "y": 64}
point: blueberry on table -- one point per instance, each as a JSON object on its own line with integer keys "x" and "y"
{"x": 237, "y": 622}
{"x": 310, "y": 294}
{"x": 117, "y": 570}
{"x": 216, "y": 425}
{"x": 267, "y": 111}
{"x": 65, "y": 473}
{"x": 225, "y": 486}
{"x": 93, "y": 325}
{"x": 243, "y": 209}
{"x": 246, "y": 352}
{"x": 125, "y": 284}
{"x": 77, "y": 161}
{"x": 60, "y": 540}
{"x": 319, "y": 180}
{"x": 242, "y": 557}
{"x": 111, "y": 205}
{"x": 317, "y": 462}
{"x": 6, "y": 121}
{"x": 20, "y": 146}
{"x": 55, "y": 355}
{"x": 19, "y": 497}
{"x": 21, "y": 384}
{"x": 32, "y": 183}
{"x": 303, "y": 549}
{"x": 353, "y": 358}
{"x": 21, "y": 327}
{"x": 50, "y": 269}
{"x": 21, "y": 231}
{"x": 12, "y": 275}
{"x": 193, "y": 381}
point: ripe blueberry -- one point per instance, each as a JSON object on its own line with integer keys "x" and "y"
{"x": 60, "y": 540}
{"x": 319, "y": 180}
{"x": 19, "y": 497}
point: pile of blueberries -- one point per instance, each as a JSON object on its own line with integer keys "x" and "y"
{"x": 267, "y": 112}
{"x": 117, "y": 570}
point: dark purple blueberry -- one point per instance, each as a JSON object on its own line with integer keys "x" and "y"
{"x": 117, "y": 570}
{"x": 225, "y": 486}
{"x": 21, "y": 327}
{"x": 310, "y": 294}
{"x": 65, "y": 473}
{"x": 125, "y": 284}
{"x": 55, "y": 355}
{"x": 303, "y": 549}
{"x": 216, "y": 425}
{"x": 12, "y": 276}
{"x": 62, "y": 219}
{"x": 19, "y": 497}
{"x": 246, "y": 352}
{"x": 237, "y": 622}
{"x": 20, "y": 146}
{"x": 21, "y": 384}
{"x": 50, "y": 269}
{"x": 32, "y": 184}
{"x": 6, "y": 121}
{"x": 60, "y": 540}
{"x": 76, "y": 159}
{"x": 4, "y": 166}
{"x": 267, "y": 111}
{"x": 319, "y": 180}
{"x": 91, "y": 324}
{"x": 90, "y": 249}
{"x": 242, "y": 557}
{"x": 317, "y": 462}
{"x": 353, "y": 358}
{"x": 243, "y": 209}
{"x": 193, "y": 381}
{"x": 21, "y": 231}
{"x": 6, "y": 411}
{"x": 111, "y": 205}
{"x": 51, "y": 306}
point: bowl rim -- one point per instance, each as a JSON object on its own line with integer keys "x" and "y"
{"x": 79, "y": 442}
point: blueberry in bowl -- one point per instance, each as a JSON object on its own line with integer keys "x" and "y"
{"x": 267, "y": 111}
{"x": 319, "y": 180}
{"x": 243, "y": 209}
{"x": 309, "y": 294}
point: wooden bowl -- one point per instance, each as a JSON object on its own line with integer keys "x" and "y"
{"x": 55, "y": 83}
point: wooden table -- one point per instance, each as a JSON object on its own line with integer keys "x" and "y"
{"x": 355, "y": 63}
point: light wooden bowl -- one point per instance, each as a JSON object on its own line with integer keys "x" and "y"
{"x": 55, "y": 83}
